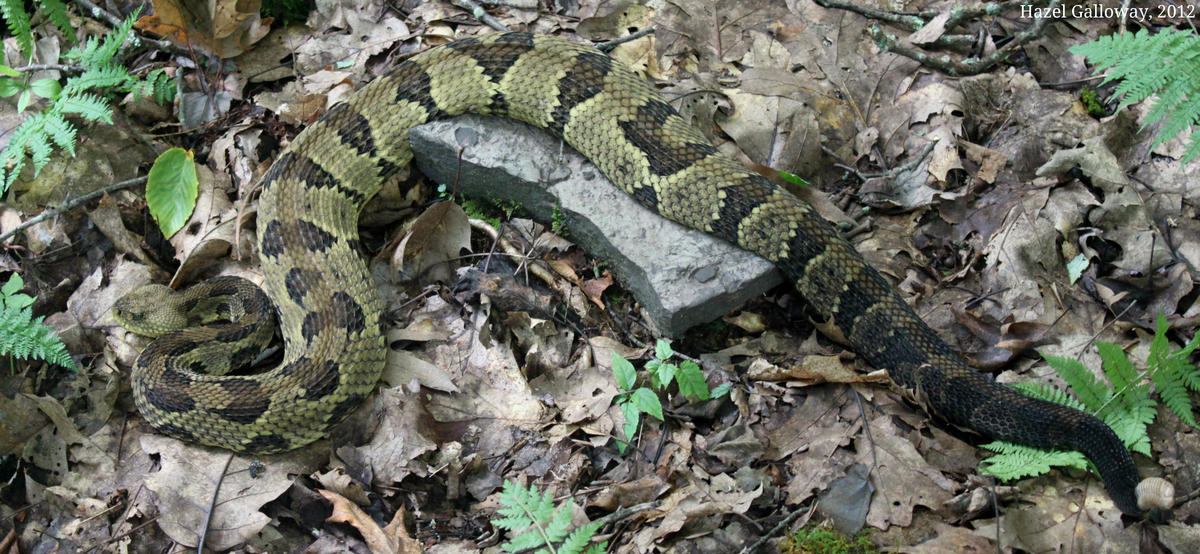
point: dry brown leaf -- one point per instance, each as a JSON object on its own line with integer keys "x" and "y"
{"x": 20, "y": 422}
{"x": 403, "y": 367}
{"x": 209, "y": 233}
{"x": 630, "y": 494}
{"x": 336, "y": 480}
{"x": 991, "y": 162}
{"x": 594, "y": 288}
{"x": 1056, "y": 522}
{"x": 392, "y": 539}
{"x": 107, "y": 218}
{"x": 399, "y": 440}
{"x": 950, "y": 539}
{"x": 904, "y": 480}
{"x": 692, "y": 504}
{"x": 224, "y": 28}
{"x": 750, "y": 322}
{"x": 189, "y": 474}
{"x": 432, "y": 242}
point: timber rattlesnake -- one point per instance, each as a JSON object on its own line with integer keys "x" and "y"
{"x": 330, "y": 312}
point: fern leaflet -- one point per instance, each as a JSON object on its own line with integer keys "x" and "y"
{"x": 536, "y": 522}
{"x": 18, "y": 24}
{"x": 99, "y": 76}
{"x": 1173, "y": 373}
{"x": 1166, "y": 64}
{"x": 56, "y": 12}
{"x": 22, "y": 336}
{"x": 88, "y": 105}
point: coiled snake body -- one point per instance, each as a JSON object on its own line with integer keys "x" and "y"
{"x": 330, "y": 312}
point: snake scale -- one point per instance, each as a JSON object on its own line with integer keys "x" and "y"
{"x": 331, "y": 315}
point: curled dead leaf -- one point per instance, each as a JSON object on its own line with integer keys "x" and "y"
{"x": 392, "y": 539}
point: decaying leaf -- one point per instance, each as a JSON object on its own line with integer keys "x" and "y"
{"x": 184, "y": 487}
{"x": 392, "y": 539}
{"x": 224, "y": 28}
{"x": 432, "y": 241}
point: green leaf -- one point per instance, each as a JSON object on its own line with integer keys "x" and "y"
{"x": 623, "y": 372}
{"x": 46, "y": 88}
{"x": 721, "y": 390}
{"x": 171, "y": 189}
{"x": 691, "y": 381}
{"x": 9, "y": 87}
{"x": 663, "y": 374}
{"x": 645, "y": 400}
{"x": 662, "y": 350}
{"x": 633, "y": 417}
{"x": 792, "y": 178}
{"x": 1076, "y": 267}
{"x": 23, "y": 100}
{"x": 14, "y": 284}
{"x": 18, "y": 301}
{"x": 8, "y": 71}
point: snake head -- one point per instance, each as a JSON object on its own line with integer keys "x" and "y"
{"x": 150, "y": 310}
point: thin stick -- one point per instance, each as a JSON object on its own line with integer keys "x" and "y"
{"x": 480, "y": 14}
{"x": 101, "y": 13}
{"x": 606, "y": 46}
{"x": 212, "y": 505}
{"x": 67, "y": 205}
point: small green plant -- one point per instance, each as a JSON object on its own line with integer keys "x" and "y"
{"x": 1165, "y": 64}
{"x": 534, "y": 521}
{"x": 558, "y": 221}
{"x": 41, "y": 132}
{"x": 1127, "y": 406}
{"x": 1091, "y": 102}
{"x": 634, "y": 402}
{"x": 22, "y": 336}
{"x": 816, "y": 538}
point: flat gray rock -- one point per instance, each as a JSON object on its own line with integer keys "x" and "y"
{"x": 681, "y": 277}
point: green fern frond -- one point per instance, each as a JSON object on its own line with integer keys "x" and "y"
{"x": 18, "y": 24}
{"x": 40, "y": 133}
{"x": 1083, "y": 383}
{"x": 535, "y": 522}
{"x": 1174, "y": 394}
{"x": 1166, "y": 64}
{"x": 1193, "y": 148}
{"x": 156, "y": 84}
{"x": 102, "y": 50}
{"x": 1016, "y": 461}
{"x": 56, "y": 12}
{"x": 98, "y": 76}
{"x": 1049, "y": 394}
{"x": 12, "y": 158}
{"x": 60, "y": 131}
{"x": 88, "y": 105}
{"x": 39, "y": 150}
{"x": 1173, "y": 373}
{"x": 22, "y": 336}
